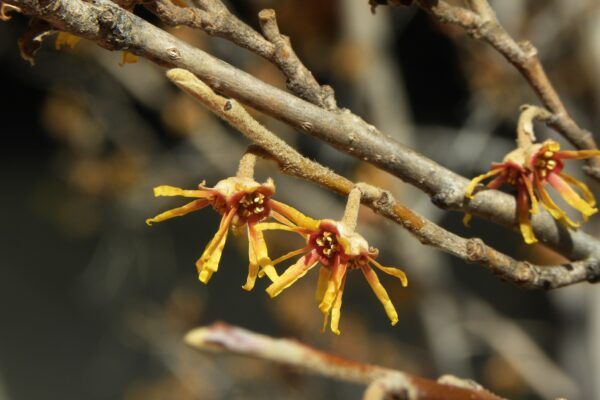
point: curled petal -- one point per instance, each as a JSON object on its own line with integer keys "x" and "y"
{"x": 166, "y": 190}
{"x": 554, "y": 210}
{"x": 475, "y": 181}
{"x": 380, "y": 292}
{"x": 208, "y": 263}
{"x": 179, "y": 211}
{"x": 587, "y": 193}
{"x": 571, "y": 196}
{"x": 391, "y": 271}
{"x": 523, "y": 216}
{"x": 292, "y": 274}
{"x": 467, "y": 219}
{"x": 577, "y": 155}
{"x": 295, "y": 216}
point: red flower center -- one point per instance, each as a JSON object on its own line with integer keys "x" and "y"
{"x": 253, "y": 207}
{"x": 545, "y": 163}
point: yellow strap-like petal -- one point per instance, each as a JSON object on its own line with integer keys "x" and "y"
{"x": 570, "y": 196}
{"x": 523, "y": 217}
{"x": 294, "y": 215}
{"x": 587, "y": 193}
{"x": 179, "y": 211}
{"x": 258, "y": 243}
{"x": 208, "y": 263}
{"x": 128, "y": 58}
{"x": 577, "y": 155}
{"x": 554, "y": 210}
{"x": 252, "y": 266}
{"x": 275, "y": 226}
{"x": 380, "y": 292}
{"x": 166, "y": 190}
{"x": 289, "y": 255}
{"x": 65, "y": 39}
{"x": 336, "y": 311}
{"x": 338, "y": 271}
{"x": 475, "y": 181}
{"x": 291, "y": 275}
{"x": 531, "y": 195}
{"x": 391, "y": 271}
{"x": 467, "y": 219}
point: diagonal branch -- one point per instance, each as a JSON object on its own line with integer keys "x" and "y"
{"x": 117, "y": 29}
{"x": 383, "y": 202}
{"x": 382, "y": 382}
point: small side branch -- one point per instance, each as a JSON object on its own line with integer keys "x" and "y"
{"x": 382, "y": 382}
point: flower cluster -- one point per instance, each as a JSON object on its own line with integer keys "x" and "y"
{"x": 335, "y": 245}
{"x": 530, "y": 168}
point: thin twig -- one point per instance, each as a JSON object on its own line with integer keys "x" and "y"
{"x": 292, "y": 163}
{"x": 383, "y": 382}
{"x": 215, "y": 19}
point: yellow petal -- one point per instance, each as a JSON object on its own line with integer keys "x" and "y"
{"x": 272, "y": 226}
{"x": 532, "y": 198}
{"x": 291, "y": 275}
{"x": 65, "y": 39}
{"x": 337, "y": 308}
{"x": 577, "y": 155}
{"x": 587, "y": 193}
{"x": 380, "y": 292}
{"x": 259, "y": 245}
{"x": 554, "y": 210}
{"x": 180, "y": 3}
{"x": 208, "y": 263}
{"x": 294, "y": 215}
{"x": 467, "y": 219}
{"x": 179, "y": 211}
{"x": 289, "y": 255}
{"x": 475, "y": 181}
{"x": 324, "y": 275}
{"x": 338, "y": 271}
{"x": 128, "y": 58}
{"x": 391, "y": 271}
{"x": 166, "y": 190}
{"x": 252, "y": 266}
{"x": 571, "y": 196}
{"x": 523, "y": 217}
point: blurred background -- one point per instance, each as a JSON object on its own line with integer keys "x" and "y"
{"x": 93, "y": 303}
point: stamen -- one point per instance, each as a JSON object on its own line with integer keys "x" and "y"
{"x": 551, "y": 164}
{"x": 548, "y": 154}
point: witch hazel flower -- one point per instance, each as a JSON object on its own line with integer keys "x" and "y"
{"x": 529, "y": 168}
{"x": 338, "y": 249}
{"x": 242, "y": 202}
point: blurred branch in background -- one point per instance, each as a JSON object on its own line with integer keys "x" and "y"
{"x": 382, "y": 383}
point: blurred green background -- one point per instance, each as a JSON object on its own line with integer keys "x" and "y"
{"x": 93, "y": 303}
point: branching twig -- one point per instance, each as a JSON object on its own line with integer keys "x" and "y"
{"x": 383, "y": 202}
{"x": 481, "y": 23}
{"x": 215, "y": 19}
{"x": 383, "y": 382}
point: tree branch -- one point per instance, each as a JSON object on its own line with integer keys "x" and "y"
{"x": 383, "y": 202}
{"x": 383, "y": 382}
